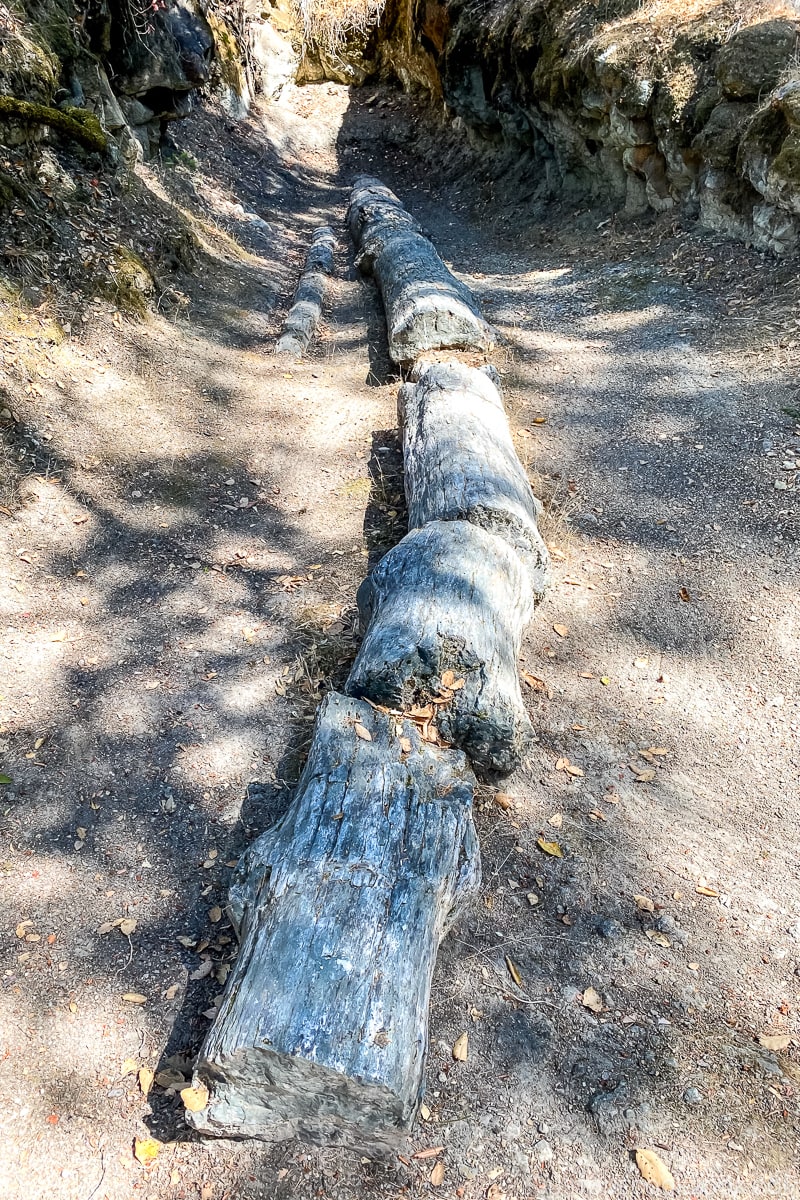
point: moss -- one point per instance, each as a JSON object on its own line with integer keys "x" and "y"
{"x": 74, "y": 123}
{"x": 228, "y": 54}
{"x": 131, "y": 285}
{"x": 787, "y": 164}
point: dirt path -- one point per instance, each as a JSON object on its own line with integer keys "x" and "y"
{"x": 188, "y": 527}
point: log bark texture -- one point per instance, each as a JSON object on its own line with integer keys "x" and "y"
{"x": 340, "y": 908}
{"x": 450, "y": 597}
{"x": 426, "y": 307}
{"x": 306, "y": 312}
{"x": 460, "y": 462}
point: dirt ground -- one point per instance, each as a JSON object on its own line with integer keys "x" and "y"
{"x": 184, "y": 522}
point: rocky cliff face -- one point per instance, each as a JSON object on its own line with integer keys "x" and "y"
{"x": 135, "y": 65}
{"x": 633, "y": 105}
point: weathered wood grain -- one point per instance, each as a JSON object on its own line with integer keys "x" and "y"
{"x": 426, "y": 307}
{"x": 460, "y": 462}
{"x": 340, "y": 908}
{"x": 306, "y": 312}
{"x": 450, "y": 597}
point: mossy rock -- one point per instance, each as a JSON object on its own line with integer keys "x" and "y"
{"x": 74, "y": 123}
{"x": 131, "y": 286}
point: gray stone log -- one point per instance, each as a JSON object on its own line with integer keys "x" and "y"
{"x": 450, "y": 597}
{"x": 460, "y": 462}
{"x": 340, "y": 908}
{"x": 306, "y": 312}
{"x": 427, "y": 308}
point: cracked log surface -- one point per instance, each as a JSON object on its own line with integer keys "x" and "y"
{"x": 340, "y": 908}
{"x": 426, "y": 307}
{"x": 306, "y": 312}
{"x": 450, "y": 597}
{"x": 460, "y": 462}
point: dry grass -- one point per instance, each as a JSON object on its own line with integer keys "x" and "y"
{"x": 328, "y": 25}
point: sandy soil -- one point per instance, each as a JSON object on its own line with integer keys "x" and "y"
{"x": 185, "y": 520}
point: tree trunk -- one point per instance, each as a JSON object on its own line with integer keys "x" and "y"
{"x": 306, "y": 311}
{"x": 426, "y": 307}
{"x": 444, "y": 612}
{"x": 340, "y": 909}
{"x": 460, "y": 462}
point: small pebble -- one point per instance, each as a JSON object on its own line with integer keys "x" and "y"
{"x": 693, "y": 1096}
{"x": 542, "y": 1152}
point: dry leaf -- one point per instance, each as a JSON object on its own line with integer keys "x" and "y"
{"x": 363, "y": 733}
{"x": 564, "y": 764}
{"x": 592, "y": 1000}
{"x": 429, "y": 1152}
{"x": 134, "y": 998}
{"x": 551, "y": 848}
{"x": 424, "y": 1112}
{"x": 195, "y": 1098}
{"x": 172, "y": 991}
{"x": 513, "y": 972}
{"x": 460, "y": 1048}
{"x": 448, "y": 678}
{"x": 503, "y": 800}
{"x": 658, "y": 937}
{"x": 685, "y": 595}
{"x": 215, "y": 914}
{"x": 644, "y": 904}
{"x": 642, "y": 776}
{"x": 557, "y": 820}
{"x": 145, "y": 1080}
{"x": 205, "y": 969}
{"x": 561, "y": 630}
{"x": 702, "y": 890}
{"x": 146, "y": 1150}
{"x": 129, "y": 1067}
{"x": 533, "y": 681}
{"x": 127, "y": 925}
{"x": 437, "y": 1175}
{"x": 655, "y": 1170}
{"x": 774, "y": 1041}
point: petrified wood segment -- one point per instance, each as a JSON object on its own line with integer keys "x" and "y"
{"x": 340, "y": 909}
{"x": 306, "y": 311}
{"x": 460, "y": 462}
{"x": 450, "y": 602}
{"x": 426, "y": 307}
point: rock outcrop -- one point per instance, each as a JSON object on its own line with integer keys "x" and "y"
{"x": 635, "y": 111}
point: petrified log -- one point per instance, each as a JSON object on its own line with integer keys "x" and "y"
{"x": 340, "y": 908}
{"x": 443, "y": 613}
{"x": 426, "y": 307}
{"x": 460, "y": 462}
{"x": 306, "y": 311}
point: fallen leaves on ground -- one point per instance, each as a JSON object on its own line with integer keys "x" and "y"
{"x": 195, "y": 1098}
{"x": 563, "y": 764}
{"x": 702, "y": 889}
{"x": 134, "y": 998}
{"x": 437, "y": 1175}
{"x": 362, "y": 732}
{"x": 592, "y": 1000}
{"x": 461, "y": 1048}
{"x": 774, "y": 1041}
{"x": 513, "y": 972}
{"x": 655, "y": 1170}
{"x": 145, "y": 1077}
{"x": 503, "y": 800}
{"x": 534, "y": 682}
{"x": 561, "y": 630}
{"x": 658, "y": 937}
{"x": 551, "y": 848}
{"x": 644, "y": 904}
{"x": 146, "y": 1150}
